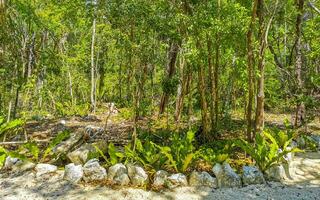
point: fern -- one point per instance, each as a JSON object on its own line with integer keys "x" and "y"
{"x": 12, "y": 126}
{"x": 33, "y": 149}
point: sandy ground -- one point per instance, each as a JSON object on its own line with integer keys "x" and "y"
{"x": 304, "y": 183}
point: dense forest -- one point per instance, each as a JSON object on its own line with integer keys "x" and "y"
{"x": 216, "y": 68}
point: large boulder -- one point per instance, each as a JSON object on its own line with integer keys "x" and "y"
{"x": 137, "y": 175}
{"x": 226, "y": 177}
{"x": 44, "y": 169}
{"x": 202, "y": 179}
{"x": 252, "y": 176}
{"x": 118, "y": 174}
{"x": 177, "y": 180}
{"x": 86, "y": 152}
{"x": 93, "y": 171}
{"x": 73, "y": 173}
{"x": 160, "y": 178}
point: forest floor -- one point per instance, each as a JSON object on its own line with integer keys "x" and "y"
{"x": 304, "y": 184}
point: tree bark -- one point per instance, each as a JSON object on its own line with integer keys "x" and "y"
{"x": 173, "y": 53}
{"x": 264, "y": 31}
{"x": 93, "y": 84}
{"x": 181, "y": 90}
{"x": 212, "y": 84}
{"x": 300, "y": 108}
{"x": 250, "y": 57}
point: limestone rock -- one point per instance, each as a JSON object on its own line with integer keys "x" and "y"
{"x": 81, "y": 155}
{"x": 92, "y": 131}
{"x": 10, "y": 162}
{"x": 73, "y": 173}
{"x": 118, "y": 174}
{"x": 177, "y": 180}
{"x": 93, "y": 171}
{"x": 202, "y": 179}
{"x": 226, "y": 177}
{"x": 137, "y": 175}
{"x": 42, "y": 169}
{"x": 160, "y": 178}
{"x": 122, "y": 180}
{"x": 252, "y": 176}
{"x": 276, "y": 173}
{"x": 22, "y": 166}
{"x": 67, "y": 145}
{"x": 316, "y": 140}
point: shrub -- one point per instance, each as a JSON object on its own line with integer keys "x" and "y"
{"x": 267, "y": 151}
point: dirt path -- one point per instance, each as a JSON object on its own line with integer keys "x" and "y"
{"x": 304, "y": 184}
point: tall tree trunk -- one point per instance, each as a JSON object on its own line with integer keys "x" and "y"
{"x": 300, "y": 108}
{"x": 212, "y": 84}
{"x": 172, "y": 55}
{"x": 203, "y": 100}
{"x": 250, "y": 56}
{"x": 264, "y": 31}
{"x": 93, "y": 82}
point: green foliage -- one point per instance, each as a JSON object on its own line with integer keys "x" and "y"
{"x": 67, "y": 109}
{"x": 267, "y": 151}
{"x": 114, "y": 155}
{"x": 3, "y": 155}
{"x": 146, "y": 154}
{"x": 310, "y": 143}
{"x": 212, "y": 156}
{"x": 63, "y": 135}
{"x": 33, "y": 149}
{"x": 180, "y": 153}
{"x": 11, "y": 126}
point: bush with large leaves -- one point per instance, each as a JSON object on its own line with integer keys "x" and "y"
{"x": 268, "y": 151}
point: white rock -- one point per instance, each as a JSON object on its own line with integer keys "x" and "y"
{"x": 73, "y": 173}
{"x": 252, "y": 176}
{"x": 137, "y": 175}
{"x": 22, "y": 166}
{"x": 118, "y": 174}
{"x": 226, "y": 177}
{"x": 177, "y": 180}
{"x": 81, "y": 155}
{"x": 122, "y": 180}
{"x": 93, "y": 171}
{"x": 10, "y": 162}
{"x": 160, "y": 178}
{"x": 62, "y": 122}
{"x": 42, "y": 169}
{"x": 276, "y": 173}
{"x": 202, "y": 179}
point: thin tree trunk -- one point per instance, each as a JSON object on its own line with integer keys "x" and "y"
{"x": 212, "y": 85}
{"x": 259, "y": 120}
{"x": 173, "y": 52}
{"x": 300, "y": 108}
{"x": 181, "y": 90}
{"x": 93, "y": 88}
{"x": 250, "y": 56}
